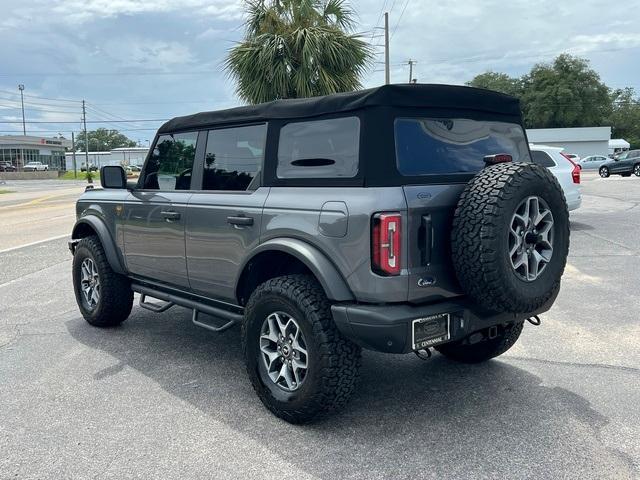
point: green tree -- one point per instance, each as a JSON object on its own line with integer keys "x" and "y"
{"x": 565, "y": 93}
{"x": 297, "y": 48}
{"x": 103, "y": 140}
{"x": 625, "y": 116}
{"x": 500, "y": 82}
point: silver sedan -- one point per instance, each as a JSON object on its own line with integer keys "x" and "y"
{"x": 593, "y": 162}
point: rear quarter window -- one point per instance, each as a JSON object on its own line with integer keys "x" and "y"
{"x": 319, "y": 149}
{"x": 427, "y": 146}
{"x": 542, "y": 158}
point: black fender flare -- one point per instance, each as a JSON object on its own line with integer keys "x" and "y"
{"x": 323, "y": 269}
{"x": 110, "y": 249}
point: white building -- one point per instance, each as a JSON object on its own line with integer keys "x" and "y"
{"x": 582, "y": 141}
{"x": 117, "y": 156}
{"x": 21, "y": 149}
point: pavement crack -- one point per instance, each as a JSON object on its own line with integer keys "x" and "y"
{"x": 579, "y": 365}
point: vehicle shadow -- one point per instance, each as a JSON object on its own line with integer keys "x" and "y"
{"x": 409, "y": 418}
{"x": 579, "y": 226}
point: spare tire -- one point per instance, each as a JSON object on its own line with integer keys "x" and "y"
{"x": 510, "y": 237}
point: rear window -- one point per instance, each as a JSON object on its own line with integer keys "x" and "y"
{"x": 319, "y": 149}
{"x": 428, "y": 146}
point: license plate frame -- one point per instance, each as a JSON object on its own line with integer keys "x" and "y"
{"x": 438, "y": 330}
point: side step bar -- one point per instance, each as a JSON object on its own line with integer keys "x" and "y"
{"x": 197, "y": 307}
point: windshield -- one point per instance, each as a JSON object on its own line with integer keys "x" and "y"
{"x": 426, "y": 146}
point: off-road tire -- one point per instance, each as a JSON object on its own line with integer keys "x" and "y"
{"x": 484, "y": 350}
{"x": 116, "y": 296}
{"x": 604, "y": 172}
{"x": 334, "y": 361}
{"x": 480, "y": 237}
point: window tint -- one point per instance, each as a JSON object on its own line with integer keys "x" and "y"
{"x": 171, "y": 162}
{"x": 542, "y": 158}
{"x": 233, "y": 159}
{"x": 319, "y": 149}
{"x": 441, "y": 146}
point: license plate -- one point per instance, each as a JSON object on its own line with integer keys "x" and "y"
{"x": 430, "y": 330}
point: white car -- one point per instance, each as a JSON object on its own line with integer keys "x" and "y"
{"x": 573, "y": 157}
{"x": 36, "y": 166}
{"x": 563, "y": 168}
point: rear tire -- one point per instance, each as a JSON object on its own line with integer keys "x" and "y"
{"x": 104, "y": 297}
{"x": 604, "y": 172}
{"x": 484, "y": 350}
{"x": 636, "y": 170}
{"x": 331, "y": 361}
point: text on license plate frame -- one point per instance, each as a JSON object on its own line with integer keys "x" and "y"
{"x": 440, "y": 336}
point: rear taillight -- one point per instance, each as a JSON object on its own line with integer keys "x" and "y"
{"x": 497, "y": 158}
{"x": 575, "y": 173}
{"x": 386, "y": 238}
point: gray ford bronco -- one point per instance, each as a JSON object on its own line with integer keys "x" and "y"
{"x": 397, "y": 219}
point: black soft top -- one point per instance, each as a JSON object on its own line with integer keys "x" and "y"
{"x": 441, "y": 97}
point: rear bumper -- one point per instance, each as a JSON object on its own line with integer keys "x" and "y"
{"x": 387, "y": 328}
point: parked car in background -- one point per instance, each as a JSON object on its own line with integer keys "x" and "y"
{"x": 572, "y": 156}
{"x": 134, "y": 168}
{"x": 7, "y": 167}
{"x": 563, "y": 168}
{"x": 36, "y": 167}
{"x": 624, "y": 164}
{"x": 593, "y": 162}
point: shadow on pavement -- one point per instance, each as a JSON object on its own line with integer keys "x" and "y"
{"x": 408, "y": 418}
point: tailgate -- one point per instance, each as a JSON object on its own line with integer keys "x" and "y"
{"x": 430, "y": 215}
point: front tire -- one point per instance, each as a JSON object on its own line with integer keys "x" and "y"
{"x": 636, "y": 170}
{"x": 604, "y": 172}
{"x": 298, "y": 362}
{"x": 484, "y": 350}
{"x": 104, "y": 297}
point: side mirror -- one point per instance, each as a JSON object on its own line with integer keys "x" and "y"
{"x": 113, "y": 177}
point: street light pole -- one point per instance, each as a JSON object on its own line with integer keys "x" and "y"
{"x": 24, "y": 128}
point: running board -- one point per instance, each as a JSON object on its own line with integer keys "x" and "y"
{"x": 197, "y": 307}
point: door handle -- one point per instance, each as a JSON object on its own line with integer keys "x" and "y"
{"x": 245, "y": 221}
{"x": 170, "y": 215}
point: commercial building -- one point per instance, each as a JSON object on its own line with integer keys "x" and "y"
{"x": 582, "y": 141}
{"x": 118, "y": 156}
{"x": 22, "y": 149}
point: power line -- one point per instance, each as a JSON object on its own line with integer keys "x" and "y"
{"x": 97, "y": 121}
{"x": 400, "y": 18}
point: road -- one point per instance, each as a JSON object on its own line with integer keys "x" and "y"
{"x": 160, "y": 398}
{"x": 36, "y": 210}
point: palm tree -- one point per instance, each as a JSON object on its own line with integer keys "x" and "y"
{"x": 297, "y": 48}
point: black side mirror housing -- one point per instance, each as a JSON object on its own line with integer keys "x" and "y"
{"x": 113, "y": 176}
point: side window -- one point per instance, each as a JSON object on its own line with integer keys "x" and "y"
{"x": 542, "y": 158}
{"x": 319, "y": 149}
{"x": 171, "y": 162}
{"x": 234, "y": 158}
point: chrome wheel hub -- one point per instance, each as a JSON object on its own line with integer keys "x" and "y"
{"x": 283, "y": 351}
{"x": 90, "y": 283}
{"x": 531, "y": 238}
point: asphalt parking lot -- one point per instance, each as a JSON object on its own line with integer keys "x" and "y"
{"x": 161, "y": 398}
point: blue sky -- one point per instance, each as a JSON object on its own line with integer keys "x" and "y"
{"x": 155, "y": 59}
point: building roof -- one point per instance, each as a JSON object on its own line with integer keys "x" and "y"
{"x": 33, "y": 140}
{"x": 578, "y": 134}
{"x": 448, "y": 97}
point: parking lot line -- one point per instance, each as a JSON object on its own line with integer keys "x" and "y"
{"x": 34, "y": 243}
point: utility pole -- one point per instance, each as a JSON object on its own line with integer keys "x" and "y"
{"x": 73, "y": 155}
{"x": 24, "y": 128}
{"x": 86, "y": 138}
{"x": 387, "y": 77}
{"x": 411, "y": 64}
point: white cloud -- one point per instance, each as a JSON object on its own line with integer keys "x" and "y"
{"x": 80, "y": 11}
